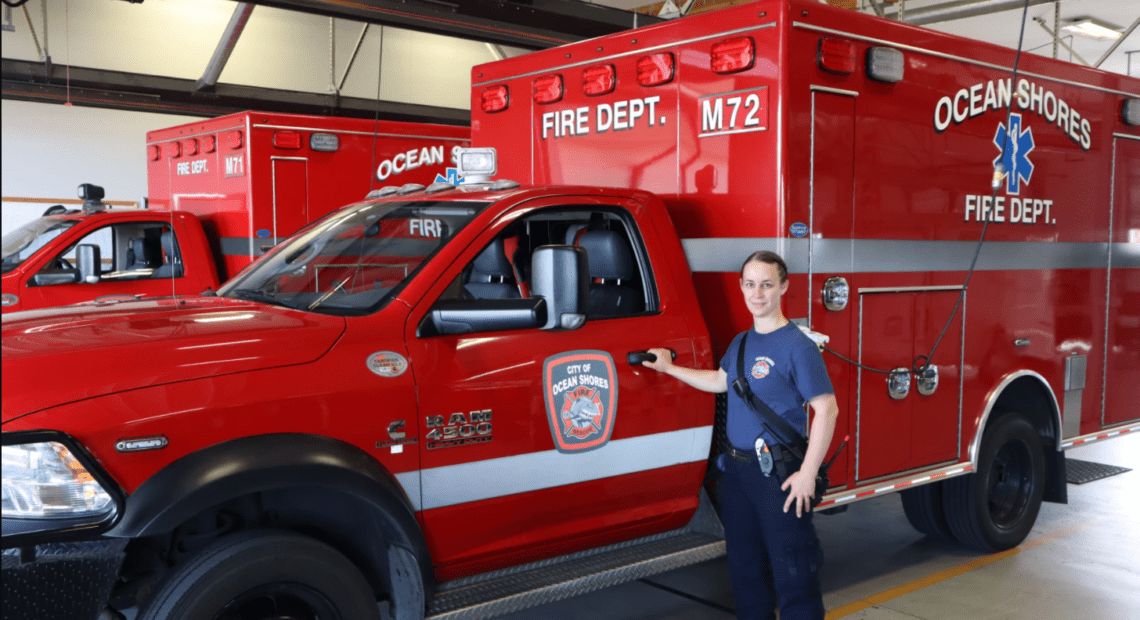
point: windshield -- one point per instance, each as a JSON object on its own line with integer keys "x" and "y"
{"x": 25, "y": 240}
{"x": 353, "y": 261}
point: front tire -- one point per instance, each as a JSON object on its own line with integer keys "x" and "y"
{"x": 994, "y": 508}
{"x": 262, "y": 574}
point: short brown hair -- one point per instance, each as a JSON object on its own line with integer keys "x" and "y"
{"x": 772, "y": 258}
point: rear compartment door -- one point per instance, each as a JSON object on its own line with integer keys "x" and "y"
{"x": 1122, "y": 349}
{"x": 290, "y": 197}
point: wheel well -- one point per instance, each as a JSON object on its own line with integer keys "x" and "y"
{"x": 1030, "y": 396}
{"x": 354, "y": 526}
{"x": 316, "y": 486}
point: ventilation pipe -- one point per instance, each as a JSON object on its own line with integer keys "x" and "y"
{"x": 225, "y": 47}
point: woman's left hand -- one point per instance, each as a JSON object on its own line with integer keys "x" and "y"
{"x": 801, "y": 488}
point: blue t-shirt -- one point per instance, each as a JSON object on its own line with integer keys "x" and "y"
{"x": 784, "y": 369}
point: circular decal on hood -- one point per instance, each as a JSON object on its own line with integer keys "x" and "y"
{"x": 387, "y": 363}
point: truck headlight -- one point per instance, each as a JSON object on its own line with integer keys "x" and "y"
{"x": 45, "y": 480}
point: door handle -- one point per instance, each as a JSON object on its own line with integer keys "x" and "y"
{"x": 635, "y": 358}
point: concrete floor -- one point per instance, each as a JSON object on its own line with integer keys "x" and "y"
{"x": 1079, "y": 562}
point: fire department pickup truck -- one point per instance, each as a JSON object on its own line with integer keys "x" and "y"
{"x": 221, "y": 192}
{"x": 434, "y": 398}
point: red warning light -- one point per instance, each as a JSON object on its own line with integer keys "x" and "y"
{"x": 655, "y": 69}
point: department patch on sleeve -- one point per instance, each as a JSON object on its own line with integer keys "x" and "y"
{"x": 581, "y": 395}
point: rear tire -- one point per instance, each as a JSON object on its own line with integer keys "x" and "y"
{"x": 926, "y": 510}
{"x": 262, "y": 574}
{"x": 994, "y": 508}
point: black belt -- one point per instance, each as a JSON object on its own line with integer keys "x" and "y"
{"x": 744, "y": 456}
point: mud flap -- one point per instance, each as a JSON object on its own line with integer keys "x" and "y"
{"x": 1056, "y": 487}
{"x": 405, "y": 587}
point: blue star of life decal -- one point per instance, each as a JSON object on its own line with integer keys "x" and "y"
{"x": 1018, "y": 168}
{"x": 452, "y": 177}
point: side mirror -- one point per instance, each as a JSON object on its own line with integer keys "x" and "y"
{"x": 484, "y": 315}
{"x": 87, "y": 259}
{"x": 560, "y": 274}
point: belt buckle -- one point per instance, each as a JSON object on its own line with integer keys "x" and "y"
{"x": 764, "y": 456}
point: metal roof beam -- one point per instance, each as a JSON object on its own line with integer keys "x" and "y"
{"x": 531, "y": 24}
{"x": 961, "y": 9}
{"x": 26, "y": 81}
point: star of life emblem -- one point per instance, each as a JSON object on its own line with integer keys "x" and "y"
{"x": 581, "y": 399}
{"x": 1015, "y": 156}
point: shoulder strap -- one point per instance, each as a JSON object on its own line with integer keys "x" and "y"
{"x": 768, "y": 418}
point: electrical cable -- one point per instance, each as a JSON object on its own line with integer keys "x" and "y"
{"x": 999, "y": 174}
{"x": 376, "y": 121}
{"x": 14, "y": 4}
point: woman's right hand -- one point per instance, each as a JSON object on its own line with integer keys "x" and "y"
{"x": 663, "y": 362}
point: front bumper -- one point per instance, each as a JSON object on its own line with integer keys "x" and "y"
{"x": 62, "y": 581}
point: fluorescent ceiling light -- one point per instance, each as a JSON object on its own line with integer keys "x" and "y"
{"x": 1092, "y": 29}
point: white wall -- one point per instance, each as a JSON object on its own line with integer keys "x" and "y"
{"x": 278, "y": 48}
{"x": 48, "y": 150}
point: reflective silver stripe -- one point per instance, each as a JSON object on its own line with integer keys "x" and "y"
{"x": 244, "y": 246}
{"x": 471, "y": 482}
{"x": 888, "y": 256}
{"x": 410, "y": 480}
{"x": 1125, "y": 255}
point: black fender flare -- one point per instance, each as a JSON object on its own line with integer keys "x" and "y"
{"x": 276, "y": 462}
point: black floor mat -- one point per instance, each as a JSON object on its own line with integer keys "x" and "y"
{"x": 1080, "y": 472}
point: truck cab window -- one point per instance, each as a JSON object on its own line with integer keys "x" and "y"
{"x": 133, "y": 251}
{"x": 615, "y": 254}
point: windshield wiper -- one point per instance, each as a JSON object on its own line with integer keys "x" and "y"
{"x": 263, "y": 297}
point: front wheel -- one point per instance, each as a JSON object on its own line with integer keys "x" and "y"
{"x": 994, "y": 508}
{"x": 262, "y": 575}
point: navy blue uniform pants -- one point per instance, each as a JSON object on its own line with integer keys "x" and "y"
{"x": 773, "y": 557}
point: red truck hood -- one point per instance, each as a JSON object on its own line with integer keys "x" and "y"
{"x": 61, "y": 355}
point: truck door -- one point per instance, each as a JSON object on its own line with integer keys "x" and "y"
{"x": 540, "y": 442}
{"x": 1122, "y": 346}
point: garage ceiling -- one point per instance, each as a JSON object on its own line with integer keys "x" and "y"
{"x": 155, "y": 56}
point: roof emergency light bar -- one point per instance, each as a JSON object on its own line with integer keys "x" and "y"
{"x": 476, "y": 165}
